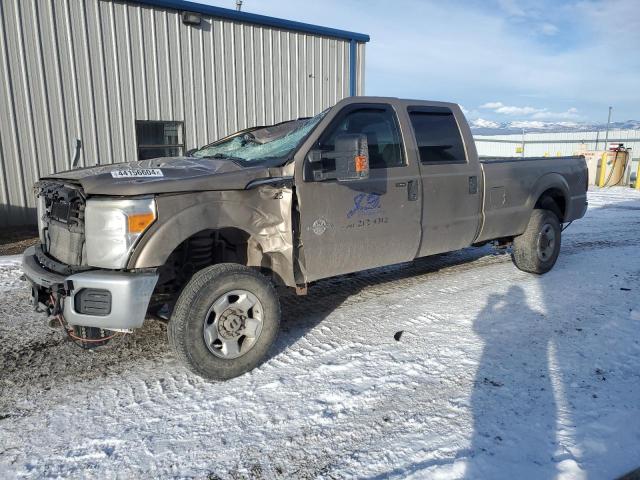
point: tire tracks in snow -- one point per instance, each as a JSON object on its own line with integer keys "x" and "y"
{"x": 33, "y": 358}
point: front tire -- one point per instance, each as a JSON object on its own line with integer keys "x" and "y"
{"x": 537, "y": 249}
{"x": 224, "y": 321}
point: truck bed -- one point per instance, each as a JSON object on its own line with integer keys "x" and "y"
{"x": 512, "y": 185}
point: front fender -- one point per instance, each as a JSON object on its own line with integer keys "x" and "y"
{"x": 264, "y": 213}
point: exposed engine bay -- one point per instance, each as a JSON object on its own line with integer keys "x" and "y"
{"x": 61, "y": 209}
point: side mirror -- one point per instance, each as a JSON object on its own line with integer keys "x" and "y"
{"x": 190, "y": 152}
{"x": 352, "y": 157}
{"x": 349, "y": 161}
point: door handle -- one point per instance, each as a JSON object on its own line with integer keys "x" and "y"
{"x": 412, "y": 190}
{"x": 473, "y": 185}
{"x": 401, "y": 184}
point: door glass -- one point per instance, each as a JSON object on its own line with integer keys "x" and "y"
{"x": 381, "y": 129}
{"x": 437, "y": 135}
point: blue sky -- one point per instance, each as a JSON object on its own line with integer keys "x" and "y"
{"x": 502, "y": 60}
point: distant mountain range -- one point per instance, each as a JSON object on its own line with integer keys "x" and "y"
{"x": 488, "y": 127}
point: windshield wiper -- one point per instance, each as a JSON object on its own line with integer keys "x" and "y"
{"x": 223, "y": 156}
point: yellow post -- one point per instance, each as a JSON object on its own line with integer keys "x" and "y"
{"x": 638, "y": 177}
{"x": 603, "y": 169}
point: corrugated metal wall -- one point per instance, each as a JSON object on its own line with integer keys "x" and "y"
{"x": 564, "y": 143}
{"x": 559, "y": 144}
{"x": 88, "y": 69}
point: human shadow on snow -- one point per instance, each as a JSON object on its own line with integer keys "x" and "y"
{"x": 513, "y": 403}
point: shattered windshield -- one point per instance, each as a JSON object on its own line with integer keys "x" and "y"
{"x": 278, "y": 142}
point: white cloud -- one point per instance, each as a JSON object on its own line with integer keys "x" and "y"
{"x": 500, "y": 107}
{"x": 532, "y": 112}
{"x": 511, "y": 110}
{"x": 470, "y": 52}
{"x": 570, "y": 114}
{"x": 549, "y": 29}
{"x": 482, "y": 123}
{"x": 492, "y": 105}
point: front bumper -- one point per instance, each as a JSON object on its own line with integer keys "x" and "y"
{"x": 130, "y": 293}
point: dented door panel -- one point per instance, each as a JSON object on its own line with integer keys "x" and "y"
{"x": 347, "y": 227}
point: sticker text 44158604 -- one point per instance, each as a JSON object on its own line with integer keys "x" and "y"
{"x": 137, "y": 173}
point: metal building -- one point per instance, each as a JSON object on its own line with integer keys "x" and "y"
{"x": 113, "y": 81}
{"x": 559, "y": 144}
{"x": 554, "y": 144}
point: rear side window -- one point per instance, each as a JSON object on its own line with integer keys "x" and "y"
{"x": 381, "y": 129}
{"x": 437, "y": 135}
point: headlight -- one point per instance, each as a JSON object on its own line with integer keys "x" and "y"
{"x": 112, "y": 228}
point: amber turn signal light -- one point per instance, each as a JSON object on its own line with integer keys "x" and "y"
{"x": 361, "y": 164}
{"x": 138, "y": 222}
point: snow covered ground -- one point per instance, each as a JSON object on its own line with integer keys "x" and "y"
{"x": 498, "y": 374}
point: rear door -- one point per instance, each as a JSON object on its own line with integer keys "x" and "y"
{"x": 451, "y": 200}
{"x": 347, "y": 227}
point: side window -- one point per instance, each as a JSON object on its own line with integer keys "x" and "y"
{"x": 381, "y": 129}
{"x": 437, "y": 135}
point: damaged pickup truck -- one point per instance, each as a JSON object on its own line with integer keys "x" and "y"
{"x": 203, "y": 240}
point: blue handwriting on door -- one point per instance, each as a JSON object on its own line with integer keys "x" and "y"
{"x": 364, "y": 202}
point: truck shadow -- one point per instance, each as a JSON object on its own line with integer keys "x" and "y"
{"x": 39, "y": 358}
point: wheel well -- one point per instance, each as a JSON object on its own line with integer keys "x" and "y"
{"x": 553, "y": 199}
{"x": 207, "y": 247}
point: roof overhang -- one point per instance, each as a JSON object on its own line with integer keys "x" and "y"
{"x": 239, "y": 16}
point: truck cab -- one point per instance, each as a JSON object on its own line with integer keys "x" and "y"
{"x": 421, "y": 197}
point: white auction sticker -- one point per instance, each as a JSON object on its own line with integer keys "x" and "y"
{"x": 137, "y": 172}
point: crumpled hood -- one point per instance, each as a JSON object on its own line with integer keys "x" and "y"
{"x": 179, "y": 174}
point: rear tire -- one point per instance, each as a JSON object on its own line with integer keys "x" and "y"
{"x": 224, "y": 321}
{"x": 537, "y": 249}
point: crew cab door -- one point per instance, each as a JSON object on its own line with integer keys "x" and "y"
{"x": 451, "y": 178}
{"x": 352, "y": 226}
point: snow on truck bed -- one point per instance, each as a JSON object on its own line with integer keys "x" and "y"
{"x": 497, "y": 374}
